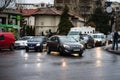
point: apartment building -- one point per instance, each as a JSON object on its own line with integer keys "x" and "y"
{"x": 82, "y": 8}
{"x": 116, "y": 8}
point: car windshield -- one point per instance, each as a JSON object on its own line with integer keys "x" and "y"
{"x": 73, "y": 33}
{"x": 25, "y": 38}
{"x": 67, "y": 39}
{"x": 85, "y": 36}
{"x": 98, "y": 36}
{"x": 35, "y": 40}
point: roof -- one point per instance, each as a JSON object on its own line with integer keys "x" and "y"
{"x": 28, "y": 12}
{"x": 10, "y": 11}
{"x": 44, "y": 11}
{"x": 47, "y": 11}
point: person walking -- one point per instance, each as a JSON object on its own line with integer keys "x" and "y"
{"x": 115, "y": 40}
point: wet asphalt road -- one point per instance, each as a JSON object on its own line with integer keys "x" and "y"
{"x": 96, "y": 64}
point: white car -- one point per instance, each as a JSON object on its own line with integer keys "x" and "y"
{"x": 20, "y": 43}
{"x": 99, "y": 39}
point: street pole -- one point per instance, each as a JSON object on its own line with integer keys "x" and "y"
{"x": 110, "y": 11}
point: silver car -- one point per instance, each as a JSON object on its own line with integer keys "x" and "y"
{"x": 20, "y": 43}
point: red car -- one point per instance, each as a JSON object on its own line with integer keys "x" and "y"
{"x": 7, "y": 40}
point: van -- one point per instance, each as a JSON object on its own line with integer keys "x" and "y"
{"x": 81, "y": 30}
{"x": 82, "y": 34}
{"x": 99, "y": 39}
{"x": 7, "y": 40}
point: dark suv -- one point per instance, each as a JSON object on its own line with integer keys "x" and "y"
{"x": 64, "y": 45}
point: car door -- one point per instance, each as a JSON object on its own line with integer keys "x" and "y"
{"x": 52, "y": 43}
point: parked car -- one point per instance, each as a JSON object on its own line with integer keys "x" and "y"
{"x": 64, "y": 45}
{"x": 89, "y": 41}
{"x": 7, "y": 40}
{"x": 36, "y": 43}
{"x": 99, "y": 39}
{"x": 20, "y": 43}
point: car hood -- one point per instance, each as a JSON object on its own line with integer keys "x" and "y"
{"x": 71, "y": 44}
{"x": 33, "y": 42}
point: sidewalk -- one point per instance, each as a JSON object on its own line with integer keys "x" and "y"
{"x": 108, "y": 48}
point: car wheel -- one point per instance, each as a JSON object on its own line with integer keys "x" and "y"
{"x": 81, "y": 52}
{"x": 93, "y": 45}
{"x": 41, "y": 49}
{"x": 27, "y": 50}
{"x": 48, "y": 50}
{"x": 61, "y": 51}
{"x": 11, "y": 47}
{"x": 86, "y": 45}
{"x": 36, "y": 49}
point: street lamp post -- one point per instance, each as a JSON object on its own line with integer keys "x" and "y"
{"x": 111, "y": 12}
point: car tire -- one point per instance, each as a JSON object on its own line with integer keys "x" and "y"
{"x": 11, "y": 47}
{"x": 36, "y": 50}
{"x": 27, "y": 50}
{"x": 93, "y": 45}
{"x": 86, "y": 45}
{"x": 61, "y": 52}
{"x": 81, "y": 52}
{"x": 41, "y": 49}
{"x": 48, "y": 50}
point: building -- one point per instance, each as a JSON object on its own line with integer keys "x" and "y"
{"x": 82, "y": 8}
{"x": 46, "y": 19}
{"x": 116, "y": 8}
{"x": 10, "y": 21}
{"x": 32, "y": 6}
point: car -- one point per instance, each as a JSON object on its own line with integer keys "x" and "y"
{"x": 7, "y": 40}
{"x": 99, "y": 39}
{"x": 20, "y": 43}
{"x": 89, "y": 41}
{"x": 109, "y": 38}
{"x": 64, "y": 45}
{"x": 36, "y": 43}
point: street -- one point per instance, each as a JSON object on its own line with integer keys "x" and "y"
{"x": 95, "y": 64}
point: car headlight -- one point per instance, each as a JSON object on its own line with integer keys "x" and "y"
{"x": 99, "y": 40}
{"x": 66, "y": 46}
{"x": 25, "y": 44}
{"x": 38, "y": 44}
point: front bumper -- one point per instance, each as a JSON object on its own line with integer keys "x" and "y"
{"x": 73, "y": 51}
{"x": 18, "y": 45}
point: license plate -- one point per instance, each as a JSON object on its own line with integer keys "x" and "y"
{"x": 76, "y": 50}
{"x": 31, "y": 47}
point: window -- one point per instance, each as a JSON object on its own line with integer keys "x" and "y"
{"x": 53, "y": 39}
{"x": 67, "y": 1}
{"x": 1, "y": 37}
{"x": 59, "y": 1}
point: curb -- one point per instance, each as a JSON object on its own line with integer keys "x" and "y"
{"x": 113, "y": 51}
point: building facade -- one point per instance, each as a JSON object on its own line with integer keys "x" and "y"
{"x": 46, "y": 19}
{"x": 116, "y": 8}
{"x": 82, "y": 8}
{"x": 10, "y": 21}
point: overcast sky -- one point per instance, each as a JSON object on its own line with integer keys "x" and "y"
{"x": 51, "y": 1}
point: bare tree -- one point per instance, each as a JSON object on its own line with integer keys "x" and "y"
{"x": 4, "y": 4}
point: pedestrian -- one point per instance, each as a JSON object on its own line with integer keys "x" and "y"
{"x": 115, "y": 40}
